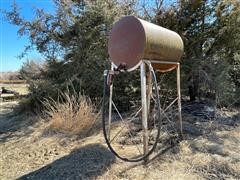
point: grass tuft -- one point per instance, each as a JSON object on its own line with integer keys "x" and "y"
{"x": 72, "y": 114}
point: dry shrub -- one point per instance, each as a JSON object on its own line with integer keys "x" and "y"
{"x": 72, "y": 114}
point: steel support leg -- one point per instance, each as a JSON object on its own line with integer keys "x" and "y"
{"x": 179, "y": 102}
{"x": 144, "y": 107}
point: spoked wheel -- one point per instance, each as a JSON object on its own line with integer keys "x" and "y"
{"x": 122, "y": 122}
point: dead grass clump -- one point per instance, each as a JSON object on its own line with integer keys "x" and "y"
{"x": 72, "y": 114}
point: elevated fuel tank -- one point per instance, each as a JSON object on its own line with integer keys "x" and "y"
{"x": 133, "y": 39}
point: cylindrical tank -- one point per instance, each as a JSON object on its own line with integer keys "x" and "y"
{"x": 133, "y": 39}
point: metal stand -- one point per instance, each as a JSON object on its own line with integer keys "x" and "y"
{"x": 178, "y": 99}
{"x": 150, "y": 117}
{"x": 146, "y": 94}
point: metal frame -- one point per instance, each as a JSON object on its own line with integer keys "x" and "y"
{"x": 145, "y": 93}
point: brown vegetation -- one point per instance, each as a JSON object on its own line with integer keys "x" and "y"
{"x": 29, "y": 153}
{"x": 73, "y": 114}
{"x": 5, "y": 76}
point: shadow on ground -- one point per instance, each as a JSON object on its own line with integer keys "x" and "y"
{"x": 15, "y": 125}
{"x": 85, "y": 163}
{"x": 202, "y": 118}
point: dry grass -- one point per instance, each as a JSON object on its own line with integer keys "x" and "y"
{"x": 212, "y": 155}
{"x": 184, "y": 161}
{"x": 72, "y": 114}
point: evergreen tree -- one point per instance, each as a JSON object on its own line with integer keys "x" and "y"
{"x": 74, "y": 43}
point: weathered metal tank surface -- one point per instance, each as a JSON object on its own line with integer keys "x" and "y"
{"x": 133, "y": 39}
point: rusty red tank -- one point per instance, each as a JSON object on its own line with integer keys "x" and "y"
{"x": 133, "y": 39}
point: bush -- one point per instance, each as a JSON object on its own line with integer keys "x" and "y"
{"x": 72, "y": 114}
{"x": 31, "y": 70}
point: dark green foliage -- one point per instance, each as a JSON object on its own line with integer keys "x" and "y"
{"x": 74, "y": 43}
{"x": 210, "y": 30}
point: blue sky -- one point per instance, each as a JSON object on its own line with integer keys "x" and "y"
{"x": 11, "y": 45}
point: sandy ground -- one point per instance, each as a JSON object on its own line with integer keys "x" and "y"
{"x": 29, "y": 151}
